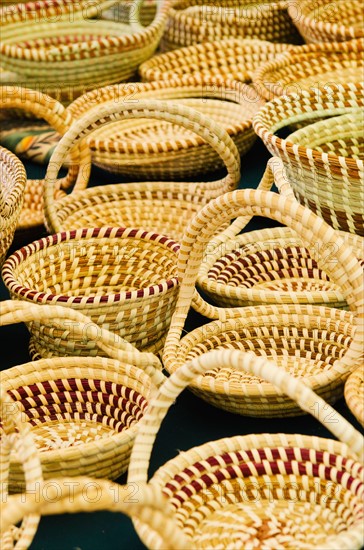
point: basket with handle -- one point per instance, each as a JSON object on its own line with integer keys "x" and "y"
{"x": 83, "y": 412}
{"x": 42, "y": 106}
{"x": 157, "y": 149}
{"x": 195, "y": 21}
{"x": 12, "y": 188}
{"x": 328, "y": 20}
{"x": 319, "y": 344}
{"x": 62, "y": 38}
{"x": 354, "y": 393}
{"x": 328, "y": 179}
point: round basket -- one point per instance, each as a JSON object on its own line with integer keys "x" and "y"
{"x": 31, "y": 219}
{"x": 323, "y": 163}
{"x": 311, "y": 66}
{"x": 230, "y": 58}
{"x": 163, "y": 207}
{"x": 194, "y": 21}
{"x": 46, "y": 39}
{"x": 125, "y": 11}
{"x": 158, "y": 149}
{"x": 328, "y": 20}
{"x": 12, "y": 187}
{"x": 125, "y": 280}
{"x": 319, "y": 344}
{"x": 354, "y": 394}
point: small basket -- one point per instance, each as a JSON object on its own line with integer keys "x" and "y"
{"x": 125, "y": 11}
{"x": 354, "y": 393}
{"x": 195, "y": 21}
{"x": 229, "y": 58}
{"x": 323, "y": 163}
{"x": 157, "y": 149}
{"x": 328, "y": 20}
{"x": 12, "y": 187}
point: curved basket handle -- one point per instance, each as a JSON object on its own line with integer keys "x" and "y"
{"x": 247, "y": 362}
{"x": 56, "y": 115}
{"x": 17, "y": 311}
{"x": 110, "y": 111}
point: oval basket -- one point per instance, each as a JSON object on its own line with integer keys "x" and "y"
{"x": 194, "y": 21}
{"x": 354, "y": 393}
{"x": 328, "y": 179}
{"x": 158, "y": 149}
{"x": 328, "y": 20}
{"x": 12, "y": 188}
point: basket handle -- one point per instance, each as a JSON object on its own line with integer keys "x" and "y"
{"x": 247, "y": 362}
{"x": 111, "y": 111}
{"x": 56, "y": 115}
{"x": 17, "y": 311}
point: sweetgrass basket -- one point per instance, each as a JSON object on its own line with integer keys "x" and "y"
{"x": 126, "y": 10}
{"x": 323, "y": 163}
{"x": 354, "y": 393}
{"x": 24, "y": 100}
{"x": 195, "y": 21}
{"x": 12, "y": 187}
{"x": 158, "y": 149}
{"x": 328, "y": 20}
{"x": 62, "y": 38}
{"x": 315, "y": 65}
{"x": 319, "y": 344}
{"x": 162, "y": 207}
{"x": 236, "y": 58}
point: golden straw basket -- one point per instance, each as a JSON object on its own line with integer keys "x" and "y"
{"x": 354, "y": 393}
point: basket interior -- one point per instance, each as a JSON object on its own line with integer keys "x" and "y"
{"x": 338, "y": 12}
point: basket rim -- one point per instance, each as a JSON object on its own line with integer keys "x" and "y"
{"x": 15, "y": 173}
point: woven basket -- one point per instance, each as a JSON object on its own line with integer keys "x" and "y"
{"x": 311, "y": 66}
{"x": 40, "y": 105}
{"x": 125, "y": 11}
{"x": 194, "y": 21}
{"x": 328, "y": 20}
{"x": 163, "y": 207}
{"x": 354, "y": 394}
{"x": 321, "y": 345}
{"x": 12, "y": 187}
{"x": 325, "y": 174}
{"x": 230, "y": 58}
{"x": 157, "y": 149}
{"x": 61, "y": 38}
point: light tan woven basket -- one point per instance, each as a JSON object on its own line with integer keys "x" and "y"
{"x": 12, "y": 187}
{"x": 59, "y": 49}
{"x": 328, "y": 20}
{"x": 30, "y": 222}
{"x": 354, "y": 393}
{"x": 126, "y": 11}
{"x": 158, "y": 149}
{"x": 194, "y": 21}
{"x": 311, "y": 66}
{"x": 324, "y": 164}
{"x": 162, "y": 207}
{"x": 321, "y": 345}
{"x": 236, "y": 58}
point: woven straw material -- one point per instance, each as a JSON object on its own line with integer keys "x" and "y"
{"x": 259, "y": 490}
{"x": 354, "y": 394}
{"x": 157, "y": 149}
{"x": 318, "y": 344}
{"x": 125, "y": 11}
{"x": 194, "y": 21}
{"x": 12, "y": 187}
{"x": 325, "y": 178}
{"x": 42, "y": 106}
{"x": 163, "y": 207}
{"x": 316, "y": 65}
{"x": 235, "y": 58}
{"x": 328, "y": 20}
{"x": 61, "y": 38}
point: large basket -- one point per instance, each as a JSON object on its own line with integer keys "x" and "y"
{"x": 321, "y": 345}
{"x": 31, "y": 219}
{"x": 12, "y": 187}
{"x": 158, "y": 149}
{"x": 61, "y": 38}
{"x": 328, "y": 20}
{"x": 236, "y": 58}
{"x": 194, "y": 21}
{"x": 354, "y": 393}
{"x": 324, "y": 164}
